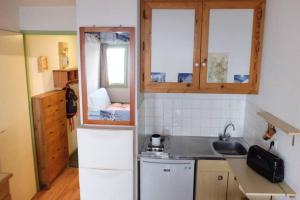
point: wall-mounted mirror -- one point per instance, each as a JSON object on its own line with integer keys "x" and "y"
{"x": 229, "y": 45}
{"x": 107, "y": 68}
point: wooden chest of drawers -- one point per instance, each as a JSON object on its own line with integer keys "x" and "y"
{"x": 50, "y": 125}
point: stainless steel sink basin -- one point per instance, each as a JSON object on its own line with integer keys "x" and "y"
{"x": 229, "y": 148}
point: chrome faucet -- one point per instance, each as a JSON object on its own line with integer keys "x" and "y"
{"x": 225, "y": 136}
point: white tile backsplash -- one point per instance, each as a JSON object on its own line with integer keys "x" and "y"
{"x": 192, "y": 114}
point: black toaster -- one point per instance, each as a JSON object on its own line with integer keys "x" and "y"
{"x": 266, "y": 164}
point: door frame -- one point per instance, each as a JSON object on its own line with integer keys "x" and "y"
{"x": 26, "y": 33}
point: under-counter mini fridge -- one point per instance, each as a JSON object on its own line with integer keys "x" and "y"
{"x": 166, "y": 179}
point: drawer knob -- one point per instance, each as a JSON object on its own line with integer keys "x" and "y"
{"x": 220, "y": 178}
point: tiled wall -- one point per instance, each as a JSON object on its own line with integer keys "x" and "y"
{"x": 192, "y": 114}
{"x": 255, "y": 126}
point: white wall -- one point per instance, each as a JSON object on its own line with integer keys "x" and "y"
{"x": 47, "y": 45}
{"x": 230, "y": 32}
{"x": 9, "y": 16}
{"x": 280, "y": 91}
{"x": 106, "y": 13}
{"x": 57, "y": 18}
{"x": 16, "y": 155}
{"x": 92, "y": 64}
{"x": 172, "y": 43}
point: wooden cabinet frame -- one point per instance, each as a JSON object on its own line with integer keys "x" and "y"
{"x": 146, "y": 21}
{"x": 202, "y": 8}
{"x": 256, "y": 46}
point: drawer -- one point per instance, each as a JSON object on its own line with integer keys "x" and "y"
{"x": 105, "y": 184}
{"x": 56, "y": 110}
{"x": 54, "y": 99}
{"x": 213, "y": 165}
{"x": 105, "y": 149}
{"x": 59, "y": 126}
{"x": 58, "y": 141}
{"x": 50, "y": 122}
{"x": 57, "y": 161}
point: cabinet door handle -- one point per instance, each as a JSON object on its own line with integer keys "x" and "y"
{"x": 220, "y": 178}
{"x": 167, "y": 170}
{"x": 197, "y": 65}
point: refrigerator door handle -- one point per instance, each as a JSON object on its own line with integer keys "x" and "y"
{"x": 167, "y": 170}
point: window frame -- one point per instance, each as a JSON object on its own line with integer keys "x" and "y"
{"x": 126, "y": 59}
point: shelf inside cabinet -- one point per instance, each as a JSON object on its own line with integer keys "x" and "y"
{"x": 275, "y": 121}
{"x": 62, "y": 77}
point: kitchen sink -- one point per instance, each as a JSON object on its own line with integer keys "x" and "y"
{"x": 229, "y": 148}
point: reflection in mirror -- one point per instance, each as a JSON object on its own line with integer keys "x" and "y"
{"x": 172, "y": 45}
{"x": 229, "y": 51}
{"x": 107, "y": 69}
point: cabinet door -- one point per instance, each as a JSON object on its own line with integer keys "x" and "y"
{"x": 233, "y": 191}
{"x": 211, "y": 185}
{"x": 231, "y": 45}
{"x": 170, "y": 35}
{"x": 106, "y": 184}
{"x": 105, "y": 149}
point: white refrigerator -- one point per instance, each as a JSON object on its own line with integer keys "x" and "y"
{"x": 166, "y": 179}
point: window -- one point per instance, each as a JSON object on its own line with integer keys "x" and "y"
{"x": 117, "y": 59}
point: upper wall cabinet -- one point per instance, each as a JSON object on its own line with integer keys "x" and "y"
{"x": 211, "y": 46}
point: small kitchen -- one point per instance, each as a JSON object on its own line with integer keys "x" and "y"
{"x": 178, "y": 100}
{"x": 199, "y": 136}
{"x": 194, "y": 146}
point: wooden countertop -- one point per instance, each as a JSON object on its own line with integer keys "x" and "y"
{"x": 252, "y": 184}
{"x": 4, "y": 177}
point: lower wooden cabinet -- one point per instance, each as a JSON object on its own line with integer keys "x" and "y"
{"x": 212, "y": 185}
{"x": 215, "y": 181}
{"x": 233, "y": 191}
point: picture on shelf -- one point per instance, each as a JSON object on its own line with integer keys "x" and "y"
{"x": 159, "y": 77}
{"x": 241, "y": 78}
{"x": 185, "y": 77}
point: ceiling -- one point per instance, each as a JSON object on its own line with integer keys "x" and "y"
{"x": 46, "y": 2}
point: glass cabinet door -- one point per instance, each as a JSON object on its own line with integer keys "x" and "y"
{"x": 231, "y": 45}
{"x": 171, "y": 45}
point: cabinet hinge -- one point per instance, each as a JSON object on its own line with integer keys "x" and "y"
{"x": 143, "y": 46}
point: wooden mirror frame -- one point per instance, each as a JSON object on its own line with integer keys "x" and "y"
{"x": 131, "y": 31}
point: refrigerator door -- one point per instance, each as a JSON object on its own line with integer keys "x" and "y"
{"x": 166, "y": 179}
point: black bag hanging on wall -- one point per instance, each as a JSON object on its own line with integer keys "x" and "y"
{"x": 71, "y": 105}
{"x": 71, "y": 100}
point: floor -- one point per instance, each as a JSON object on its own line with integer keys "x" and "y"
{"x": 65, "y": 187}
{"x": 73, "y": 160}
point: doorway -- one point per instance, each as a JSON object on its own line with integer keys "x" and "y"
{"x": 46, "y": 53}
